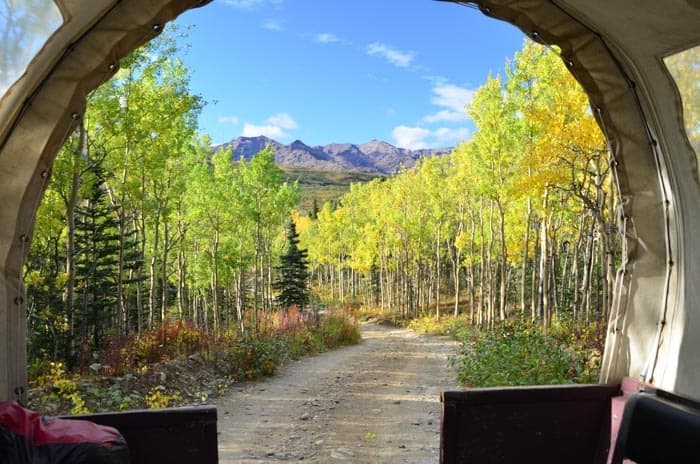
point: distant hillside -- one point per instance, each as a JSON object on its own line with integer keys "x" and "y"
{"x": 324, "y": 186}
{"x": 375, "y": 157}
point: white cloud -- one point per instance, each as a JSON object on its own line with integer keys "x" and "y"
{"x": 392, "y": 55}
{"x": 272, "y": 25}
{"x": 453, "y": 99}
{"x": 282, "y": 120}
{"x": 326, "y": 37}
{"x": 450, "y": 136}
{"x": 228, "y": 120}
{"x": 244, "y": 4}
{"x": 452, "y": 96}
{"x": 417, "y": 138}
{"x": 251, "y": 4}
{"x": 271, "y": 131}
{"x": 445, "y": 116}
{"x": 412, "y": 138}
{"x": 274, "y": 127}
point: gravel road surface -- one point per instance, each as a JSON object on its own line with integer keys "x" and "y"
{"x": 376, "y": 402}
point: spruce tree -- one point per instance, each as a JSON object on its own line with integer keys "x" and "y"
{"x": 293, "y": 273}
{"x": 97, "y": 246}
{"x": 314, "y": 210}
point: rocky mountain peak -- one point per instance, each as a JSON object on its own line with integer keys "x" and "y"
{"x": 375, "y": 156}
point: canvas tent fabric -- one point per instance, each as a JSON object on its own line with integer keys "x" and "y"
{"x": 614, "y": 48}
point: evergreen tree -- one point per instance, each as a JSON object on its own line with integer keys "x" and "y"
{"x": 96, "y": 259}
{"x": 314, "y": 210}
{"x": 293, "y": 272}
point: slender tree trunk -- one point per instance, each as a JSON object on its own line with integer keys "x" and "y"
{"x": 139, "y": 276}
{"x": 577, "y": 302}
{"x": 182, "y": 284}
{"x": 215, "y": 282}
{"x": 503, "y": 302}
{"x": 71, "y": 202}
{"x": 554, "y": 288}
{"x": 587, "y": 275}
{"x": 544, "y": 294}
{"x": 240, "y": 300}
{"x": 491, "y": 278}
{"x": 566, "y": 246}
{"x": 153, "y": 271}
{"x": 121, "y": 292}
{"x": 437, "y": 265}
{"x": 482, "y": 271}
{"x": 256, "y": 271}
{"x": 268, "y": 250}
{"x": 471, "y": 270}
{"x": 524, "y": 267}
{"x": 164, "y": 272}
{"x": 535, "y": 279}
{"x": 456, "y": 259}
{"x": 382, "y": 282}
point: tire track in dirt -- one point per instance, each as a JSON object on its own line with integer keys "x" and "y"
{"x": 377, "y": 402}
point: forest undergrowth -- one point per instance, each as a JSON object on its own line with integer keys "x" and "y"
{"x": 180, "y": 364}
{"x": 516, "y": 351}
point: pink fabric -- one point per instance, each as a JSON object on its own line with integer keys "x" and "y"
{"x": 628, "y": 387}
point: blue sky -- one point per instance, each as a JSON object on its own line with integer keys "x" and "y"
{"x": 342, "y": 71}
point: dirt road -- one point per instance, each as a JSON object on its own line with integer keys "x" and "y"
{"x": 377, "y": 402}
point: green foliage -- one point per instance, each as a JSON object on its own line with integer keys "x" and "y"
{"x": 131, "y": 372}
{"x": 133, "y": 353}
{"x": 62, "y": 388}
{"x": 158, "y": 398}
{"x": 338, "y": 331}
{"x": 319, "y": 187}
{"x": 96, "y": 249}
{"x": 292, "y": 282}
{"x": 520, "y": 217}
{"x": 292, "y": 334}
{"x": 458, "y": 327}
{"x": 516, "y": 353}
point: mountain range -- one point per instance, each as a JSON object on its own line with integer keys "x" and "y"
{"x": 372, "y": 157}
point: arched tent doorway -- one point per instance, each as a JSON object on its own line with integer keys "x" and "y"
{"x": 615, "y": 50}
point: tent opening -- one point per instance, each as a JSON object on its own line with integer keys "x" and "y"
{"x": 534, "y": 189}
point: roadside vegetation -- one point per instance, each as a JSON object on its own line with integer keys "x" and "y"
{"x": 519, "y": 353}
{"x": 180, "y": 364}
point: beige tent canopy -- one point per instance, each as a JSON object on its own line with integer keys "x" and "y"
{"x": 65, "y": 48}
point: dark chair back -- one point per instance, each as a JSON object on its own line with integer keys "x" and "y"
{"x": 658, "y": 428}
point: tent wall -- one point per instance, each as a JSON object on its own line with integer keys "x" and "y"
{"x": 36, "y": 116}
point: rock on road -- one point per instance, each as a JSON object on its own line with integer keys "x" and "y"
{"x": 376, "y": 402}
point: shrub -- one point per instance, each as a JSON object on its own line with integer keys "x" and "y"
{"x": 126, "y": 354}
{"x": 458, "y": 327}
{"x": 63, "y": 388}
{"x": 158, "y": 398}
{"x": 517, "y": 353}
{"x": 124, "y": 377}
